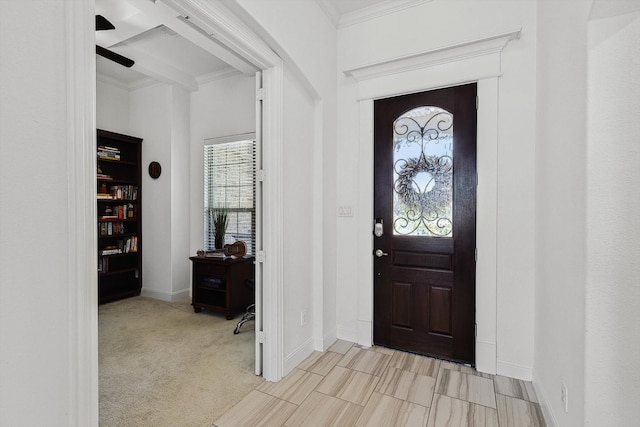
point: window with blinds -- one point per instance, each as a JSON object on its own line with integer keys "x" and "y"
{"x": 229, "y": 182}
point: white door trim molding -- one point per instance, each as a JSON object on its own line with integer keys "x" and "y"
{"x": 467, "y": 62}
{"x": 81, "y": 172}
{"x": 442, "y": 55}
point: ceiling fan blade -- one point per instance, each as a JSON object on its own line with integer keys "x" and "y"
{"x": 103, "y": 23}
{"x": 115, "y": 57}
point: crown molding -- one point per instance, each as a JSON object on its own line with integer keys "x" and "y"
{"x": 602, "y": 9}
{"x": 329, "y": 8}
{"x": 145, "y": 82}
{"x": 217, "y": 75}
{"x": 376, "y": 10}
{"x": 138, "y": 84}
{"x": 148, "y": 81}
{"x": 111, "y": 81}
{"x": 452, "y": 53}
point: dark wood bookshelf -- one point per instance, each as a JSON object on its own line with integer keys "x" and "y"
{"x": 121, "y": 162}
{"x": 119, "y": 274}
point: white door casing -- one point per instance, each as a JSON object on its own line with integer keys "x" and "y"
{"x": 258, "y": 309}
{"x": 82, "y": 290}
{"x": 475, "y": 61}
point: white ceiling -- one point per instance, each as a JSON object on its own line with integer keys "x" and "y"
{"x": 168, "y": 48}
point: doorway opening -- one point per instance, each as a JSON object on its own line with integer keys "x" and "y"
{"x": 262, "y": 58}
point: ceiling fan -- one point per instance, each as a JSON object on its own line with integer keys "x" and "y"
{"x": 103, "y": 24}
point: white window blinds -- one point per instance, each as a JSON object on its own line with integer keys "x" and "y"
{"x": 229, "y": 182}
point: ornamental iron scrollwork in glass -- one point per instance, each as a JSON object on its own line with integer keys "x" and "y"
{"x": 423, "y": 173}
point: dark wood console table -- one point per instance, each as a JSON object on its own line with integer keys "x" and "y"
{"x": 219, "y": 284}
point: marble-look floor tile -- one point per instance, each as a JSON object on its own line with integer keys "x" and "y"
{"x": 383, "y": 350}
{"x": 449, "y": 412}
{"x": 383, "y": 410}
{"x": 293, "y": 388}
{"x": 351, "y": 385}
{"x": 515, "y": 388}
{"x": 464, "y": 369}
{"x": 516, "y": 412}
{"x": 340, "y": 346}
{"x": 422, "y": 365}
{"x": 407, "y": 385}
{"x": 365, "y": 360}
{"x": 320, "y": 363}
{"x": 467, "y": 387}
{"x": 257, "y": 409}
{"x": 347, "y": 384}
{"x": 322, "y": 410}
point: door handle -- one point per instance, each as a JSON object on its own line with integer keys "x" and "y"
{"x": 379, "y": 253}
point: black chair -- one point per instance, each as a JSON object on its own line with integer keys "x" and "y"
{"x": 250, "y": 312}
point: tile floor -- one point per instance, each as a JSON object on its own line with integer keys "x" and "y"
{"x": 349, "y": 385}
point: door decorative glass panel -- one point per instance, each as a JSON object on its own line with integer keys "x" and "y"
{"x": 423, "y": 173}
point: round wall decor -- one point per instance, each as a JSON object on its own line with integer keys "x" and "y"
{"x": 154, "y": 170}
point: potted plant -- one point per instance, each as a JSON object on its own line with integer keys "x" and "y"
{"x": 220, "y": 217}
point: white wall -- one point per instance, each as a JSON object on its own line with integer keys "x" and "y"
{"x": 613, "y": 207}
{"x": 112, "y": 106}
{"x": 38, "y": 338}
{"x": 180, "y": 178}
{"x": 560, "y": 206}
{"x": 219, "y": 108}
{"x": 455, "y": 22}
{"x": 298, "y": 212}
{"x": 150, "y": 119}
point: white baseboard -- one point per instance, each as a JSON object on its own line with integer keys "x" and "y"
{"x": 347, "y": 334}
{"x": 321, "y": 344}
{"x": 297, "y": 356}
{"x": 166, "y": 296}
{"x": 514, "y": 370}
{"x": 486, "y": 357}
{"x": 365, "y": 333}
{"x": 549, "y": 419}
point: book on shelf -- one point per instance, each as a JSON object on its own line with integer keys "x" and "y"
{"x": 103, "y": 265}
{"x": 108, "y": 153}
{"x": 129, "y": 245}
{"x": 124, "y": 192}
{"x": 105, "y": 196}
{"x": 111, "y": 251}
{"x": 108, "y": 148}
{"x": 111, "y": 228}
{"x": 123, "y": 211}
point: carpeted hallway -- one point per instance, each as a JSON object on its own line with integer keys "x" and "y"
{"x": 161, "y": 364}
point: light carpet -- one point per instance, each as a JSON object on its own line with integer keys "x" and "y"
{"x": 161, "y": 364}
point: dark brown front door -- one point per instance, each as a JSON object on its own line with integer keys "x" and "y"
{"x": 425, "y": 211}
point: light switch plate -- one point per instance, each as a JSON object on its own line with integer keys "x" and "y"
{"x": 345, "y": 211}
